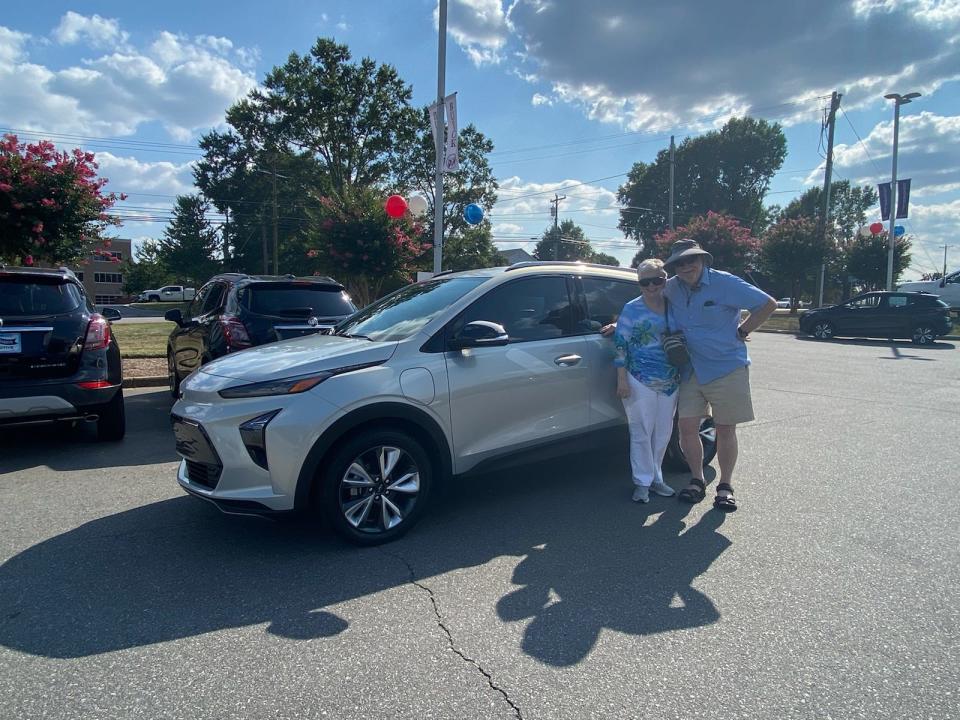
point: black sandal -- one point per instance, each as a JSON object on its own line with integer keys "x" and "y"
{"x": 695, "y": 494}
{"x": 725, "y": 503}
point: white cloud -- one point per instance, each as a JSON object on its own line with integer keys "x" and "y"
{"x": 95, "y": 30}
{"x": 185, "y": 84}
{"x": 133, "y": 177}
{"x": 539, "y": 99}
{"x": 661, "y": 63}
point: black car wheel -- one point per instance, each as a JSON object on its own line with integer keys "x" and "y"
{"x": 112, "y": 419}
{"x": 924, "y": 335}
{"x": 173, "y": 378}
{"x": 676, "y": 460}
{"x": 376, "y": 487}
{"x": 822, "y": 330}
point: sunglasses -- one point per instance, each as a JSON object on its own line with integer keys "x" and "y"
{"x": 656, "y": 281}
{"x": 683, "y": 262}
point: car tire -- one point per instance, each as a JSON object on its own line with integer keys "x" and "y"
{"x": 822, "y": 330}
{"x": 924, "y": 335}
{"x": 674, "y": 459}
{"x": 173, "y": 378}
{"x": 153, "y": 298}
{"x": 355, "y": 499}
{"x": 112, "y": 420}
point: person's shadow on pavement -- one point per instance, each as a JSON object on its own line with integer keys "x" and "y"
{"x": 572, "y": 593}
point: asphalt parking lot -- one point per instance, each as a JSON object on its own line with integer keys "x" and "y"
{"x": 541, "y": 592}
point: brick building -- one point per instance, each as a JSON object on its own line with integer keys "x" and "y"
{"x": 101, "y": 272}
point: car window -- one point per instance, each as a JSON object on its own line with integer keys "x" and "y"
{"x": 213, "y": 298}
{"x": 529, "y": 309}
{"x": 196, "y": 305}
{"x": 605, "y": 299}
{"x": 405, "y": 311}
{"x": 898, "y": 301}
{"x": 865, "y": 302}
{"x": 37, "y": 296}
{"x": 300, "y": 299}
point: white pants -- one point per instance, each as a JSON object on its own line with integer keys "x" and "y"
{"x": 650, "y": 415}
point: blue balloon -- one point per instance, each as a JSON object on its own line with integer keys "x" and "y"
{"x": 898, "y": 230}
{"x": 473, "y": 214}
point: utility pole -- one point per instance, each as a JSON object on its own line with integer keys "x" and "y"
{"x": 555, "y": 211}
{"x": 438, "y": 141}
{"x": 944, "y": 262}
{"x": 226, "y": 238}
{"x": 276, "y": 244}
{"x": 263, "y": 242}
{"x": 827, "y": 181}
{"x": 672, "y": 158}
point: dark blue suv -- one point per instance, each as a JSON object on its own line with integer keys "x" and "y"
{"x": 59, "y": 360}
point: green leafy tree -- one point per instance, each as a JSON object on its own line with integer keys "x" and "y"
{"x": 469, "y": 249}
{"x": 146, "y": 270}
{"x": 733, "y": 246}
{"x": 792, "y": 252}
{"x": 52, "y": 206}
{"x": 189, "y": 244}
{"x": 726, "y": 171}
{"x": 564, "y": 242}
{"x": 604, "y": 259}
{"x": 848, "y": 207}
{"x": 354, "y": 240}
{"x": 866, "y": 260}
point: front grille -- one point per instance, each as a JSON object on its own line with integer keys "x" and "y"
{"x": 203, "y": 474}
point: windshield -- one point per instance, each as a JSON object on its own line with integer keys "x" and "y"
{"x": 305, "y": 299}
{"x": 36, "y": 296}
{"x": 404, "y": 312}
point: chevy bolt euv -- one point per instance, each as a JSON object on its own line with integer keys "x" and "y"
{"x": 437, "y": 379}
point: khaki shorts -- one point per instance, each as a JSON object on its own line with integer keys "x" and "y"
{"x": 728, "y": 397}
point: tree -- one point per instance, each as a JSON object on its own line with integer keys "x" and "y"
{"x": 733, "y": 246}
{"x": 848, "y": 207}
{"x": 147, "y": 271}
{"x": 52, "y": 205}
{"x": 354, "y": 240}
{"x": 726, "y": 171}
{"x": 603, "y": 259}
{"x": 866, "y": 259}
{"x": 564, "y": 242}
{"x": 792, "y": 251}
{"x": 189, "y": 244}
{"x": 470, "y": 249}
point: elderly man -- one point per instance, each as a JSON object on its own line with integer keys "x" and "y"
{"x": 706, "y": 304}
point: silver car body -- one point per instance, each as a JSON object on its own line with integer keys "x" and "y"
{"x": 479, "y": 403}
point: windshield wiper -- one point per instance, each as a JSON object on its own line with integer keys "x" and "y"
{"x": 362, "y": 337}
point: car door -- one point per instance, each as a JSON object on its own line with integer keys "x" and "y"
{"x": 603, "y": 300}
{"x": 531, "y": 391}
{"x": 861, "y": 316}
{"x": 898, "y": 311}
{"x": 193, "y": 340}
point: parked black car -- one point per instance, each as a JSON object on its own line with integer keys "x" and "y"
{"x": 234, "y": 311}
{"x": 59, "y": 361}
{"x": 918, "y": 316}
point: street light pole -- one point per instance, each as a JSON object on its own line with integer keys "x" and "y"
{"x": 898, "y": 100}
{"x": 438, "y": 141}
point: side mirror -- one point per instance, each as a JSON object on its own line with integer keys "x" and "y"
{"x": 111, "y": 314}
{"x": 174, "y": 316}
{"x": 480, "y": 333}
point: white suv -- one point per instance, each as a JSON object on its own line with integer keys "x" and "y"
{"x": 437, "y": 379}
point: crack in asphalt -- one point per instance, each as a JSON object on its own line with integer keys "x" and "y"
{"x": 446, "y": 631}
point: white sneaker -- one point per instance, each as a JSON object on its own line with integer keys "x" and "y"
{"x": 641, "y": 495}
{"x": 661, "y": 488}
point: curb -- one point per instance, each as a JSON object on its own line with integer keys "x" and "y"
{"x": 138, "y": 382}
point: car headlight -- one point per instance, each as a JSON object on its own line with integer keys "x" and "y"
{"x": 289, "y": 386}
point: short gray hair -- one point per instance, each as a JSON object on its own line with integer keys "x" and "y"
{"x": 650, "y": 265}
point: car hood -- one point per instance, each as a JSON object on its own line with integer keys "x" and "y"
{"x": 929, "y": 286}
{"x": 299, "y": 356}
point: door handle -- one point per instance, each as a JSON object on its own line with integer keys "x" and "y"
{"x": 568, "y": 360}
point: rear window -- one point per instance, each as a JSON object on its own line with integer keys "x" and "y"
{"x": 37, "y": 296}
{"x": 296, "y": 300}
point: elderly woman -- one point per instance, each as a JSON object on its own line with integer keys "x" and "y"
{"x": 646, "y": 382}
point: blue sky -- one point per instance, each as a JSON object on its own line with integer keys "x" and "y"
{"x": 572, "y": 93}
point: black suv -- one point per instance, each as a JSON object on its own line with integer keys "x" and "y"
{"x": 234, "y": 312}
{"x": 59, "y": 361}
{"x": 918, "y": 316}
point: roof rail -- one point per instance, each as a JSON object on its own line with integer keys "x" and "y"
{"x": 564, "y": 263}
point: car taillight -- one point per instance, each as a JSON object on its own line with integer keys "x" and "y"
{"x": 235, "y": 333}
{"x": 98, "y": 333}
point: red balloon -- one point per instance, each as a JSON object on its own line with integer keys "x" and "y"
{"x": 876, "y": 228}
{"x": 396, "y": 206}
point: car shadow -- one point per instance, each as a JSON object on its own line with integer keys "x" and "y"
{"x": 590, "y": 559}
{"x": 57, "y": 446}
{"x": 888, "y": 343}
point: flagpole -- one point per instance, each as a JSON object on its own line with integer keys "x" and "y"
{"x": 439, "y": 143}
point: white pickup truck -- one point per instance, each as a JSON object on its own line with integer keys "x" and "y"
{"x": 948, "y": 288}
{"x": 168, "y": 293}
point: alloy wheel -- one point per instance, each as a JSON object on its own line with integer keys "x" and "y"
{"x": 379, "y": 489}
{"x": 924, "y": 335}
{"x": 823, "y": 331}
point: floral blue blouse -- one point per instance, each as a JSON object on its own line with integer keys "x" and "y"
{"x": 637, "y": 339}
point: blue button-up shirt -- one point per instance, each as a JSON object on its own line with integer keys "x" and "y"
{"x": 708, "y": 315}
